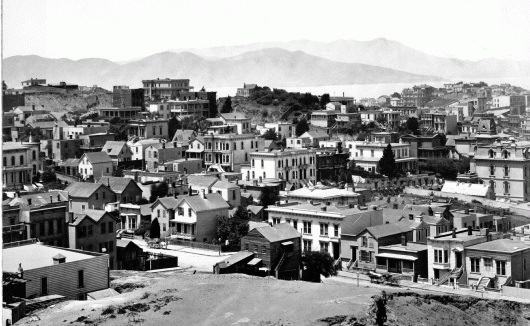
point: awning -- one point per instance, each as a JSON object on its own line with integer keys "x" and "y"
{"x": 254, "y": 261}
{"x": 396, "y": 256}
{"x": 287, "y": 243}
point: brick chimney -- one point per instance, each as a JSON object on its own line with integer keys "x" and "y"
{"x": 59, "y": 259}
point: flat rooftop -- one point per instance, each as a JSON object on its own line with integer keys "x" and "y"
{"x": 35, "y": 256}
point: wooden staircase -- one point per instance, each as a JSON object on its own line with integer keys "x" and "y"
{"x": 277, "y": 268}
{"x": 482, "y": 283}
{"x": 351, "y": 263}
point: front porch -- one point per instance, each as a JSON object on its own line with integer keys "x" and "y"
{"x": 396, "y": 263}
{"x": 183, "y": 231}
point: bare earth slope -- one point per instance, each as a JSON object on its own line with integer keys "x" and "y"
{"x": 182, "y": 298}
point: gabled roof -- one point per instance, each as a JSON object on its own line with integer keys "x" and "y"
{"x": 40, "y": 199}
{"x": 199, "y": 204}
{"x": 317, "y": 133}
{"x": 98, "y": 157}
{"x": 117, "y": 184}
{"x": 278, "y": 232}
{"x": 255, "y": 209}
{"x": 169, "y": 202}
{"x": 181, "y": 135}
{"x": 114, "y": 148}
{"x": 94, "y": 214}
{"x": 202, "y": 180}
{"x": 124, "y": 243}
{"x": 84, "y": 189}
{"x": 385, "y": 230}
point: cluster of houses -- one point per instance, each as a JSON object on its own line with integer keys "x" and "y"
{"x": 189, "y": 180}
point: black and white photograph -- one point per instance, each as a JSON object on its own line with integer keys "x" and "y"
{"x": 277, "y": 163}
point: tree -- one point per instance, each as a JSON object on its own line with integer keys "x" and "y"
{"x": 227, "y": 105}
{"x": 154, "y": 230}
{"x": 270, "y": 135}
{"x": 234, "y": 228}
{"x": 158, "y": 190}
{"x": 49, "y": 176}
{"x": 324, "y": 99}
{"x": 317, "y": 263}
{"x": 413, "y": 125}
{"x": 387, "y": 163}
{"x": 396, "y": 94}
{"x": 301, "y": 127}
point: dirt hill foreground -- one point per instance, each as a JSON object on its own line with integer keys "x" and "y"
{"x": 184, "y": 298}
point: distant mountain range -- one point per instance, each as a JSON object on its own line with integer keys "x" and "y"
{"x": 296, "y": 63}
{"x": 272, "y": 66}
{"x": 385, "y": 53}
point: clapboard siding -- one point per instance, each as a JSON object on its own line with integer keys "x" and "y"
{"x": 63, "y": 278}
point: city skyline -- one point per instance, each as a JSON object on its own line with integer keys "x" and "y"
{"x": 498, "y": 29}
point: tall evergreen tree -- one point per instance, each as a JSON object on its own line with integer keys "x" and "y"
{"x": 154, "y": 232}
{"x": 387, "y": 163}
{"x": 301, "y": 127}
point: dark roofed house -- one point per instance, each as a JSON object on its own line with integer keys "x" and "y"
{"x": 95, "y": 164}
{"x": 118, "y": 151}
{"x": 129, "y": 255}
{"x": 126, "y": 190}
{"x": 277, "y": 251}
{"x": 365, "y": 246}
{"x": 93, "y": 230}
{"x": 84, "y": 195}
{"x": 191, "y": 217}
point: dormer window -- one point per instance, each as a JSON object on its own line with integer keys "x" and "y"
{"x": 491, "y": 153}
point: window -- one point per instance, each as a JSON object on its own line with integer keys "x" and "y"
{"x": 44, "y": 286}
{"x": 307, "y": 245}
{"x": 506, "y": 171}
{"x": 295, "y": 225}
{"x": 446, "y": 256}
{"x": 262, "y": 163}
{"x": 492, "y": 170}
{"x": 158, "y": 213}
{"x": 82, "y": 232}
{"x": 103, "y": 228}
{"x": 323, "y": 229}
{"x": 438, "y": 255}
{"x": 189, "y": 212}
{"x": 256, "y": 249}
{"x": 90, "y": 230}
{"x": 103, "y": 191}
{"x": 163, "y": 227}
{"x": 475, "y": 265}
{"x": 275, "y": 220}
{"x": 307, "y": 227}
{"x": 80, "y": 279}
{"x": 5, "y": 161}
{"x": 324, "y": 246}
{"x": 488, "y": 263}
{"x": 501, "y": 267}
{"x": 21, "y": 160}
{"x": 13, "y": 160}
{"x": 41, "y": 229}
{"x": 364, "y": 241}
{"x": 111, "y": 246}
{"x": 246, "y": 246}
{"x": 263, "y": 250}
{"x": 365, "y": 256}
{"x": 97, "y": 194}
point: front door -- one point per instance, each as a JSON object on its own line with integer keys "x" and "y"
{"x": 394, "y": 266}
{"x": 458, "y": 258}
{"x": 44, "y": 286}
{"x": 336, "y": 250}
{"x": 353, "y": 253}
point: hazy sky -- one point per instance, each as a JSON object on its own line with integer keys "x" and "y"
{"x": 122, "y": 30}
